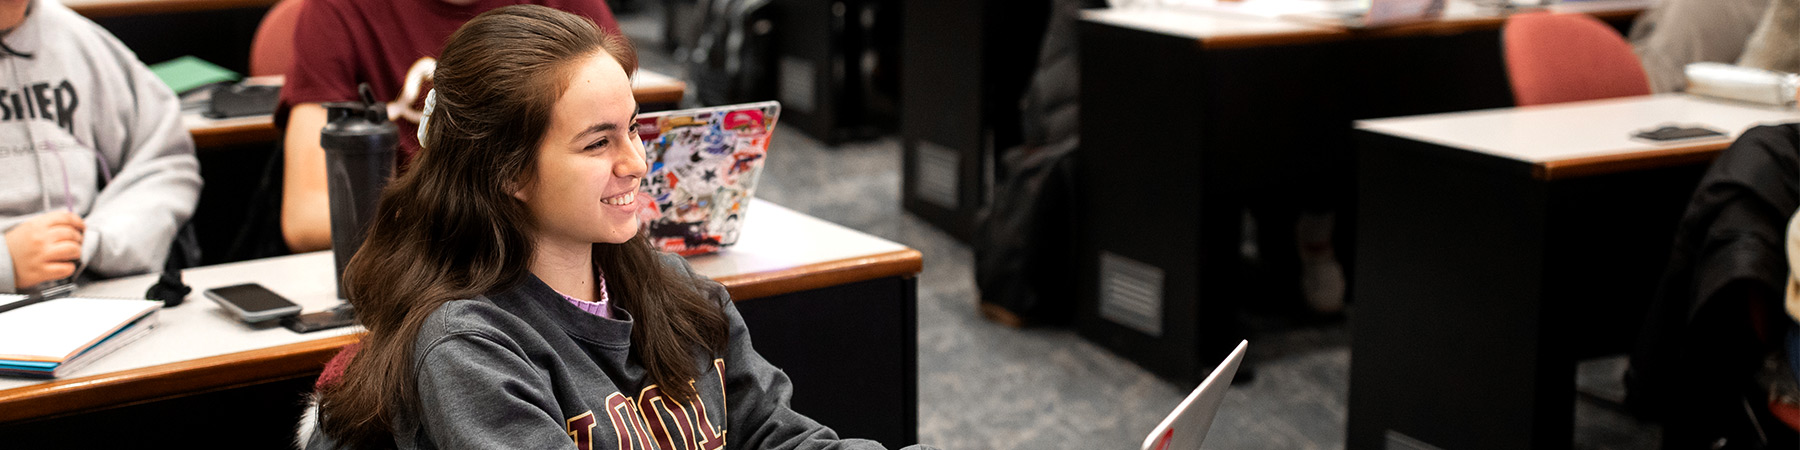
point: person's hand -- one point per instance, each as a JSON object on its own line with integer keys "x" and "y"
{"x": 45, "y": 248}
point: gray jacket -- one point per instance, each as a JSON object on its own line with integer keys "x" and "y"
{"x": 1675, "y": 33}
{"x": 85, "y": 127}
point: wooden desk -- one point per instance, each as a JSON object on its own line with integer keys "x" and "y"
{"x": 655, "y": 91}
{"x": 1459, "y": 16}
{"x": 1496, "y": 248}
{"x": 795, "y": 278}
{"x": 1218, "y": 30}
{"x": 112, "y": 8}
{"x": 1166, "y": 172}
{"x": 1572, "y": 140}
{"x": 215, "y": 134}
{"x": 1192, "y": 118}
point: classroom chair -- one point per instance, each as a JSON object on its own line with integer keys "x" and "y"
{"x": 272, "y": 50}
{"x": 1555, "y": 58}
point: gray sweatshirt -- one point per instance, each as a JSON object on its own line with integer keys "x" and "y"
{"x": 526, "y": 369}
{"x": 85, "y": 127}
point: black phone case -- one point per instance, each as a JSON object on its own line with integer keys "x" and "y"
{"x": 322, "y": 320}
{"x": 1677, "y": 133}
{"x": 261, "y": 315}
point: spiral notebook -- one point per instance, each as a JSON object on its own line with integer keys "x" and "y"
{"x": 56, "y": 337}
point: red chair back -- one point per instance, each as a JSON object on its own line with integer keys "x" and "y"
{"x": 1555, "y": 58}
{"x": 272, "y": 50}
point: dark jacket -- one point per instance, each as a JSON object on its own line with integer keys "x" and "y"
{"x": 1728, "y": 250}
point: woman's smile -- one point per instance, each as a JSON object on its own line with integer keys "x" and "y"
{"x": 622, "y": 200}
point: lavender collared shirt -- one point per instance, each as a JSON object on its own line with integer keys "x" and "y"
{"x": 602, "y": 308}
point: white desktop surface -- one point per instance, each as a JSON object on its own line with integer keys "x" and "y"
{"x": 646, "y": 78}
{"x": 1331, "y": 12}
{"x": 199, "y": 328}
{"x": 1187, "y": 17}
{"x": 774, "y": 239}
{"x": 1548, "y": 133}
{"x": 1598, "y": 6}
{"x": 1198, "y": 25}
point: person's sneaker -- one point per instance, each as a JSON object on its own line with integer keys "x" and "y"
{"x": 1321, "y": 277}
{"x": 1247, "y": 247}
{"x": 1000, "y": 315}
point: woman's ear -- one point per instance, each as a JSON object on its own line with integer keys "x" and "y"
{"x": 518, "y": 190}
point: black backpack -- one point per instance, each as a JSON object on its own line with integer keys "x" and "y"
{"x": 1025, "y": 239}
{"x": 733, "y": 58}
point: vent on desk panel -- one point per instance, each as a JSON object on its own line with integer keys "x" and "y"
{"x": 798, "y": 89}
{"x": 935, "y": 175}
{"x": 1131, "y": 293}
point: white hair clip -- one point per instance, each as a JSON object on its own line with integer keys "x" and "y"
{"x": 425, "y": 116}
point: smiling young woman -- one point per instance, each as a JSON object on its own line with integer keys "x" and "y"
{"x": 510, "y": 297}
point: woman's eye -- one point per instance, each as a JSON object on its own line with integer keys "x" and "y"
{"x": 599, "y": 144}
{"x": 633, "y": 129}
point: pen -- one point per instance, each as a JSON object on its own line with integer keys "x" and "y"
{"x": 48, "y": 291}
{"x": 27, "y": 301}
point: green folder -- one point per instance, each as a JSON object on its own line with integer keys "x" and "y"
{"x": 186, "y": 73}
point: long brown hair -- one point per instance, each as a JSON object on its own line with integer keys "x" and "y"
{"x": 449, "y": 228}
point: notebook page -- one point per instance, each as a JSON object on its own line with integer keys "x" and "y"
{"x": 57, "y": 329}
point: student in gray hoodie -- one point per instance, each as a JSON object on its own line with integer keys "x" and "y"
{"x": 96, "y": 170}
{"x": 510, "y": 297}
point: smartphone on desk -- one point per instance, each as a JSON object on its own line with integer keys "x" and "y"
{"x": 252, "y": 303}
{"x": 343, "y": 315}
{"x": 1672, "y": 133}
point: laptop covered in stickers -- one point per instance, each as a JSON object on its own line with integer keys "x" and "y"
{"x": 704, "y": 164}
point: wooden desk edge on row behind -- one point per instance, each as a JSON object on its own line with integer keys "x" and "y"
{"x": 1473, "y": 24}
{"x": 1616, "y": 163}
{"x": 301, "y": 359}
{"x": 1303, "y": 37}
{"x": 1332, "y": 33}
{"x": 217, "y": 136}
{"x": 213, "y": 137}
{"x": 114, "y": 8}
{"x": 669, "y": 94}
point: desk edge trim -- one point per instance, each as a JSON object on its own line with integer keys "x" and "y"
{"x": 903, "y": 262}
{"x": 1608, "y": 164}
{"x": 164, "y": 380}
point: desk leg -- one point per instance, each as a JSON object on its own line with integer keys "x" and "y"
{"x": 1448, "y": 346}
{"x": 1179, "y": 139}
{"x": 852, "y": 353}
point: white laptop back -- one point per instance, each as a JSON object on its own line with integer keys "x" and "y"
{"x": 1186, "y": 427}
{"x": 704, "y": 164}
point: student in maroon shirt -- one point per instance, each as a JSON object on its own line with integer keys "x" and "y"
{"x": 341, "y": 43}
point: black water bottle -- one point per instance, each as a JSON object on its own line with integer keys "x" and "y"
{"x": 359, "y": 144}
